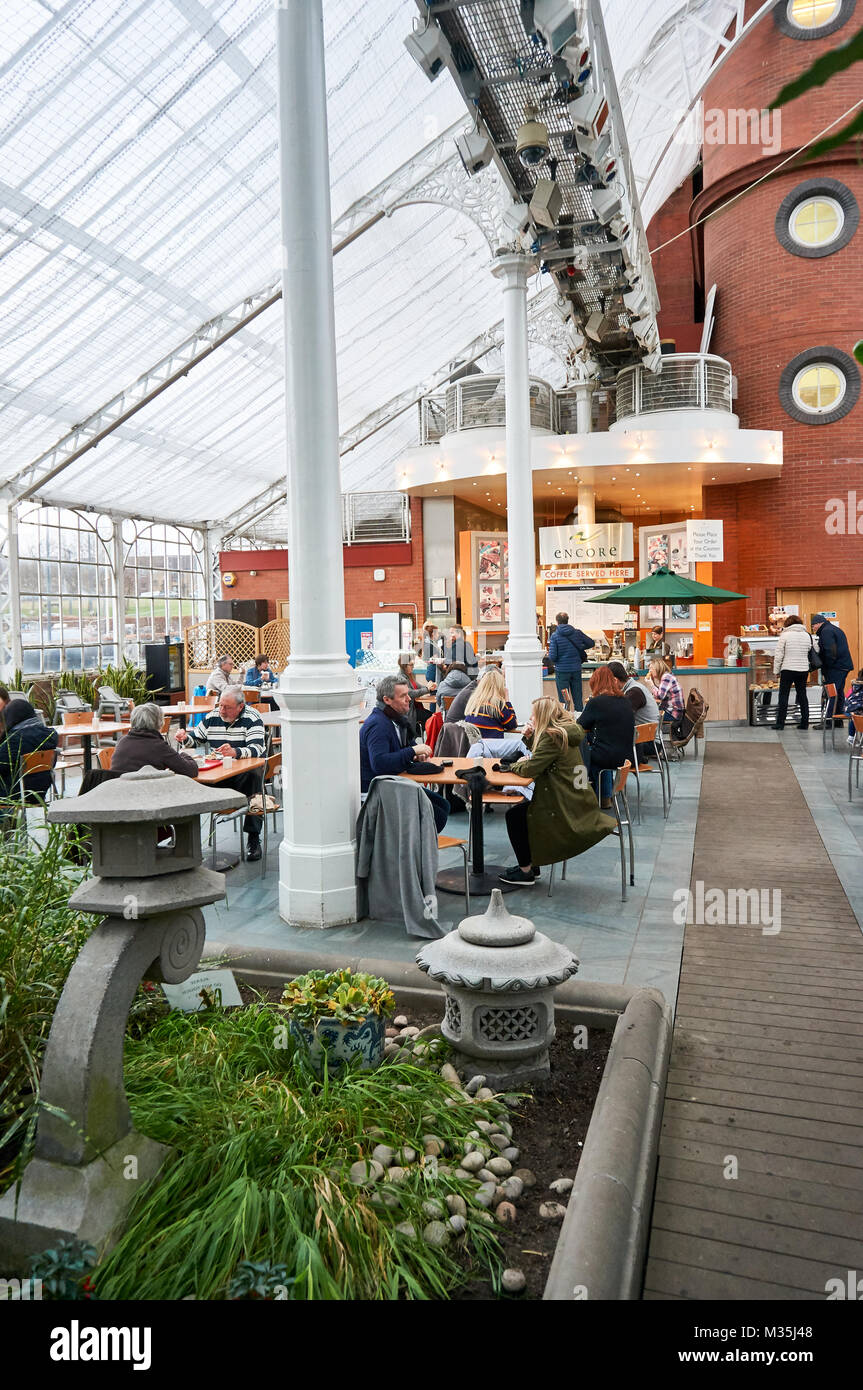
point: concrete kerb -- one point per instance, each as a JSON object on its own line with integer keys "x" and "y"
{"x": 601, "y": 1249}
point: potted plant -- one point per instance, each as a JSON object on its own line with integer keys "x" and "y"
{"x": 339, "y": 1016}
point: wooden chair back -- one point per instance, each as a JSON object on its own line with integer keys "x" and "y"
{"x": 40, "y": 761}
{"x": 77, "y": 716}
{"x": 645, "y": 733}
{"x": 273, "y": 765}
{"x": 204, "y": 701}
{"x": 166, "y": 723}
{"x": 857, "y": 720}
{"x": 105, "y": 755}
{"x": 447, "y": 701}
{"x": 831, "y": 690}
{"x": 620, "y": 777}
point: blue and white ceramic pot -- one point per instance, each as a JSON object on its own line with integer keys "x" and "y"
{"x": 341, "y": 1043}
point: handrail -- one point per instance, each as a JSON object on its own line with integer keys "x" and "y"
{"x": 687, "y": 381}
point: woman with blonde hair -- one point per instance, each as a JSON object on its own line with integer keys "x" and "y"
{"x": 562, "y": 819}
{"x": 667, "y": 689}
{"x": 488, "y": 707}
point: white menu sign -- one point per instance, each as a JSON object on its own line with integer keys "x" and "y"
{"x": 704, "y": 540}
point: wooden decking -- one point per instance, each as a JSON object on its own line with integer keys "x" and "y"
{"x": 767, "y": 1059}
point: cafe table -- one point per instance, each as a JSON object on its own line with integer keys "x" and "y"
{"x": 183, "y": 711}
{"x": 230, "y": 767}
{"x": 483, "y": 877}
{"x": 87, "y": 732}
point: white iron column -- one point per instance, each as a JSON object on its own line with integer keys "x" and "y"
{"x": 10, "y": 597}
{"x": 523, "y": 655}
{"x": 320, "y": 696}
{"x": 213, "y": 542}
{"x": 118, "y": 552}
{"x": 586, "y": 505}
{"x": 584, "y": 406}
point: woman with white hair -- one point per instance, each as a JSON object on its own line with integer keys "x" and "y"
{"x": 145, "y": 745}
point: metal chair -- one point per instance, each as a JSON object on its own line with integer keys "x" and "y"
{"x": 243, "y": 811}
{"x": 644, "y": 733}
{"x": 828, "y": 699}
{"x": 452, "y": 842}
{"x": 552, "y": 868}
{"x": 620, "y": 806}
{"x": 664, "y": 768}
{"x": 855, "y": 752}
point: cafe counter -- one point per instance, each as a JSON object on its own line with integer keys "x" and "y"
{"x": 725, "y": 688}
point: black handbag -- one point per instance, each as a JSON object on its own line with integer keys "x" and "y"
{"x": 815, "y": 662}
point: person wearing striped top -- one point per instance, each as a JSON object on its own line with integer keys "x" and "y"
{"x": 234, "y": 731}
{"x": 488, "y": 707}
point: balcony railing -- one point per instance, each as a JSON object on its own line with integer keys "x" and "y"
{"x": 375, "y": 516}
{"x": 687, "y": 381}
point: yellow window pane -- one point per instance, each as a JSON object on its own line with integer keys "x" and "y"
{"x": 816, "y": 222}
{"x": 819, "y": 388}
{"x": 809, "y": 14}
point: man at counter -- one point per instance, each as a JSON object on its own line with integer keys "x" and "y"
{"x": 642, "y": 699}
{"x": 836, "y": 663}
{"x": 567, "y": 648}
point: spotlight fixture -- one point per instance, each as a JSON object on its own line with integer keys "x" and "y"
{"x": 429, "y": 50}
{"x": 531, "y": 144}
{"x": 606, "y": 204}
{"x": 546, "y": 202}
{"x": 475, "y": 151}
{"x": 556, "y": 22}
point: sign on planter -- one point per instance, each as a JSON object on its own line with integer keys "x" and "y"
{"x": 704, "y": 540}
{"x": 187, "y": 996}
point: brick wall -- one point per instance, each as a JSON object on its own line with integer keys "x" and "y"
{"x": 403, "y": 565}
{"x": 674, "y": 272}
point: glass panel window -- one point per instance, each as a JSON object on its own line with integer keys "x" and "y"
{"x": 50, "y": 578}
{"x": 52, "y": 659}
{"x": 28, "y": 575}
{"x": 816, "y": 221}
{"x": 811, "y": 14}
{"x": 75, "y": 658}
{"x": 69, "y": 579}
{"x": 819, "y": 388}
{"x": 50, "y": 543}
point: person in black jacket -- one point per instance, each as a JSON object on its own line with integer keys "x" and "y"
{"x": 609, "y": 719}
{"x": 145, "y": 746}
{"x": 25, "y": 733}
{"x": 836, "y": 663}
{"x": 567, "y": 648}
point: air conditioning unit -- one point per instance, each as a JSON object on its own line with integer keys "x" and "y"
{"x": 556, "y": 22}
{"x": 589, "y": 116}
{"x": 606, "y": 204}
{"x": 546, "y": 202}
{"x": 476, "y": 151}
{"x": 429, "y": 50}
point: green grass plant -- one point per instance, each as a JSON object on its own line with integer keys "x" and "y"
{"x": 260, "y": 1172}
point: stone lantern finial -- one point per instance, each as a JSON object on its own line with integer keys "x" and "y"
{"x": 499, "y": 975}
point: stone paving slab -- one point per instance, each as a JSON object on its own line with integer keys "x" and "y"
{"x": 767, "y": 1056}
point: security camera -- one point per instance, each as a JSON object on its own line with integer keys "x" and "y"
{"x": 531, "y": 144}
{"x": 475, "y": 150}
{"x": 429, "y": 49}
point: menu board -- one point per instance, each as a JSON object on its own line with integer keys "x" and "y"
{"x": 590, "y": 617}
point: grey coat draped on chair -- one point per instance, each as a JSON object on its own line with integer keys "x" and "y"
{"x": 397, "y": 857}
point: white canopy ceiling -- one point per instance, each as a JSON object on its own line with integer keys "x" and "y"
{"x": 138, "y": 200}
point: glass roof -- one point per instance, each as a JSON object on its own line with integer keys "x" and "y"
{"x": 139, "y": 189}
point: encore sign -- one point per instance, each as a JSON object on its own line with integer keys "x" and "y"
{"x": 609, "y": 544}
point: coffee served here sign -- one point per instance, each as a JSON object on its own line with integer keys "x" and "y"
{"x": 603, "y": 544}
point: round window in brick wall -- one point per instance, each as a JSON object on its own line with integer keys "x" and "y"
{"x": 812, "y": 19}
{"x": 820, "y": 386}
{"x": 817, "y": 218}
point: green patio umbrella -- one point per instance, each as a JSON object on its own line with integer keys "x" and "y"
{"x": 665, "y": 587}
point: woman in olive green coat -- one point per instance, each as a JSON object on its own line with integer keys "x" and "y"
{"x": 563, "y": 818}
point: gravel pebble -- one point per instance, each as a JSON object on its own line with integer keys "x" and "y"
{"x": 391, "y": 1032}
{"x": 432, "y": 1146}
{"x": 486, "y": 1126}
{"x": 397, "y": 1175}
{"x": 511, "y": 1154}
{"x": 457, "y": 1224}
{"x": 484, "y": 1195}
{"x": 511, "y": 1101}
{"x": 434, "y": 1210}
{"x": 410, "y": 1033}
{"x": 561, "y": 1186}
{"x": 407, "y": 1228}
{"x": 499, "y": 1142}
{"x": 504, "y": 1127}
{"x": 501, "y": 1167}
{"x": 462, "y": 1175}
{"x": 472, "y": 1162}
{"x": 552, "y": 1211}
{"x": 513, "y": 1187}
{"x": 400, "y": 1021}
{"x": 484, "y": 1094}
{"x": 527, "y": 1176}
{"x": 405, "y": 1155}
{"x": 391, "y": 1051}
{"x": 506, "y": 1214}
{"x": 364, "y": 1171}
{"x": 436, "y": 1234}
{"x": 485, "y": 1216}
{"x": 512, "y": 1280}
{"x": 383, "y": 1154}
{"x": 449, "y": 1073}
{"x": 486, "y": 1175}
{"x": 475, "y": 1084}
{"x": 456, "y": 1205}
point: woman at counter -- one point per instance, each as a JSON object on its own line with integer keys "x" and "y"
{"x": 609, "y": 721}
{"x": 562, "y": 819}
{"x": 791, "y": 665}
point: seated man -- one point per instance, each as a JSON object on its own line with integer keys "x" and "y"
{"x": 220, "y": 678}
{"x": 145, "y": 745}
{"x": 385, "y": 748}
{"x": 233, "y": 731}
{"x": 260, "y": 676}
{"x": 643, "y": 702}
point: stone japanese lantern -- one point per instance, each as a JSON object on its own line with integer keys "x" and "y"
{"x": 150, "y": 886}
{"x": 499, "y": 975}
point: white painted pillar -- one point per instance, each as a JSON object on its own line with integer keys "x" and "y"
{"x": 10, "y": 594}
{"x": 213, "y": 542}
{"x": 118, "y": 552}
{"x": 523, "y": 655}
{"x": 584, "y": 406}
{"x": 319, "y": 692}
{"x": 586, "y": 505}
